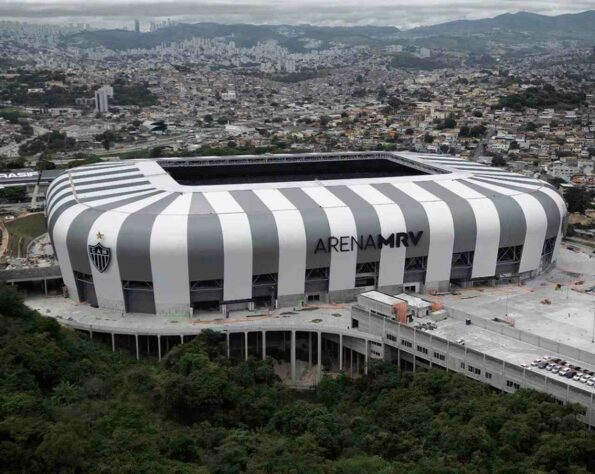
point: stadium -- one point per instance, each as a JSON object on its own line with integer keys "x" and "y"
{"x": 178, "y": 235}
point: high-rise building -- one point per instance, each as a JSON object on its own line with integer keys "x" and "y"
{"x": 424, "y": 53}
{"x": 101, "y": 98}
{"x": 137, "y": 26}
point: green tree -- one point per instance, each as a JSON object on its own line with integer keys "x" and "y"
{"x": 157, "y": 152}
{"x": 497, "y": 160}
{"x": 577, "y": 199}
{"x": 464, "y": 131}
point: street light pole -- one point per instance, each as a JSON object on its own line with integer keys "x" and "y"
{"x": 593, "y": 331}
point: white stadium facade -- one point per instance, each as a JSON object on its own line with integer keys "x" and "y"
{"x": 175, "y": 235}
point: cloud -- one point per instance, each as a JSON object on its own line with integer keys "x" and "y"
{"x": 401, "y": 13}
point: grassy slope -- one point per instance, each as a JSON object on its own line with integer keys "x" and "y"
{"x": 22, "y": 231}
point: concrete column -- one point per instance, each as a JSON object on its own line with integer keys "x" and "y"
{"x": 159, "y": 347}
{"x": 91, "y": 334}
{"x": 246, "y": 345}
{"x": 319, "y": 354}
{"x": 136, "y": 344}
{"x": 309, "y": 349}
{"x": 366, "y": 361}
{"x": 413, "y": 350}
{"x": 502, "y": 377}
{"x": 113, "y": 342}
{"x": 181, "y": 338}
{"x": 264, "y": 345}
{"x": 227, "y": 343}
{"x": 430, "y": 355}
{"x": 34, "y": 196}
{"x": 340, "y": 352}
{"x": 45, "y": 287}
{"x": 590, "y": 410}
{"x": 293, "y": 368}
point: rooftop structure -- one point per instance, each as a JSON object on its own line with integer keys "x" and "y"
{"x": 128, "y": 236}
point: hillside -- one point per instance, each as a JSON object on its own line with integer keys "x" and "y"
{"x": 242, "y": 34}
{"x": 68, "y": 404}
{"x": 572, "y": 24}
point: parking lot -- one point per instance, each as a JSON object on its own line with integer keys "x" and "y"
{"x": 556, "y": 305}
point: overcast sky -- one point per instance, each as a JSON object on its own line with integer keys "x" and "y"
{"x": 400, "y": 13}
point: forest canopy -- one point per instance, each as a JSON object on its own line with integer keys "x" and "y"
{"x": 68, "y": 404}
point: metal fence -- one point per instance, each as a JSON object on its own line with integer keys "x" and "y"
{"x": 520, "y": 335}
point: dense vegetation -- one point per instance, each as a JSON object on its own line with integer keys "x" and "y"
{"x": 56, "y": 92}
{"x": 70, "y": 405}
{"x": 12, "y": 115}
{"x": 546, "y": 96}
{"x": 133, "y": 94}
{"x": 50, "y": 142}
{"x": 293, "y": 77}
{"x": 410, "y": 61}
{"x": 578, "y": 199}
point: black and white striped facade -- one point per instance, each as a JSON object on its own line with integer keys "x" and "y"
{"x": 172, "y": 247}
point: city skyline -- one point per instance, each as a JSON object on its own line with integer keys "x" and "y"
{"x": 404, "y": 15}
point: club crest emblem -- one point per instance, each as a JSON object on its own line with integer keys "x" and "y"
{"x": 100, "y": 256}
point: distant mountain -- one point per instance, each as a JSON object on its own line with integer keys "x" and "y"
{"x": 579, "y": 24}
{"x": 242, "y": 34}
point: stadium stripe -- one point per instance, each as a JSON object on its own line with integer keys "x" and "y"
{"x": 292, "y": 242}
{"x": 536, "y": 225}
{"x": 341, "y": 223}
{"x": 366, "y": 221}
{"x": 391, "y": 219}
{"x": 205, "y": 241}
{"x": 169, "y": 258}
{"x": 487, "y": 224}
{"x": 237, "y": 246}
{"x": 59, "y": 239}
{"x": 441, "y": 232}
{"x": 462, "y": 215}
{"x": 315, "y": 223}
{"x": 265, "y": 241}
{"x": 134, "y": 238}
{"x": 108, "y": 285}
{"x": 415, "y": 215}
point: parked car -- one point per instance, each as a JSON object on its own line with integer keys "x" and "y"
{"x": 536, "y": 362}
{"x": 549, "y": 367}
{"x": 577, "y": 377}
{"x": 555, "y": 369}
{"x": 570, "y": 374}
{"x": 542, "y": 365}
{"x": 563, "y": 371}
{"x": 591, "y": 382}
{"x": 556, "y": 360}
{"x": 584, "y": 378}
